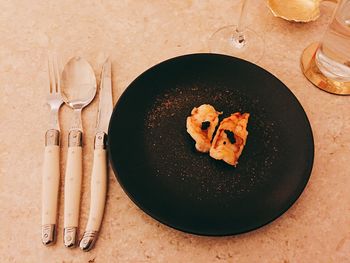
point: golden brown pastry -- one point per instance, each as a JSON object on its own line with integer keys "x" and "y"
{"x": 230, "y": 138}
{"x": 201, "y": 126}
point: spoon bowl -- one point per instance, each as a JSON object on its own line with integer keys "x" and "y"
{"x": 78, "y": 83}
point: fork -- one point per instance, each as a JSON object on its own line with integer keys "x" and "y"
{"x": 51, "y": 167}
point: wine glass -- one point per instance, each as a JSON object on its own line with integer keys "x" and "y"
{"x": 238, "y": 40}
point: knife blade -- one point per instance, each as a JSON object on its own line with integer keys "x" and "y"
{"x": 106, "y": 101}
{"x": 99, "y": 173}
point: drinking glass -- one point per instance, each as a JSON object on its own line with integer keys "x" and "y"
{"x": 238, "y": 40}
{"x": 329, "y": 65}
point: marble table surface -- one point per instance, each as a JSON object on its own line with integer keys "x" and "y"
{"x": 136, "y": 35}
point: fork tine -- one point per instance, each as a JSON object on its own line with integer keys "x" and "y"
{"x": 51, "y": 76}
{"x": 59, "y": 69}
{"x": 57, "y": 75}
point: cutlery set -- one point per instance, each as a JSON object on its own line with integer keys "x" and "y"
{"x": 77, "y": 88}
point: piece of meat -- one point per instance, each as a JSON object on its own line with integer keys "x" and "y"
{"x": 230, "y": 138}
{"x": 201, "y": 126}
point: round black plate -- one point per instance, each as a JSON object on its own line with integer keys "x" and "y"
{"x": 158, "y": 167}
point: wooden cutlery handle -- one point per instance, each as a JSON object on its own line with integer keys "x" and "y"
{"x": 72, "y": 188}
{"x": 97, "y": 195}
{"x": 50, "y": 186}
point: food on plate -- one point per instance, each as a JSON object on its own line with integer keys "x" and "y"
{"x": 230, "y": 138}
{"x": 201, "y": 126}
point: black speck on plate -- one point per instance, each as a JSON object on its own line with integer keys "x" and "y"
{"x": 156, "y": 163}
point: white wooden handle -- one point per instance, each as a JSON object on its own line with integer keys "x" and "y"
{"x": 98, "y": 190}
{"x": 51, "y": 178}
{"x": 50, "y": 186}
{"x": 98, "y": 193}
{"x": 72, "y": 187}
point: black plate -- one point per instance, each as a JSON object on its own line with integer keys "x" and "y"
{"x": 158, "y": 167}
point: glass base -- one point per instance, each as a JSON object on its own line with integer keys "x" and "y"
{"x": 226, "y": 40}
{"x": 315, "y": 76}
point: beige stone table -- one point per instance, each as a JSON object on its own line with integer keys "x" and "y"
{"x": 136, "y": 35}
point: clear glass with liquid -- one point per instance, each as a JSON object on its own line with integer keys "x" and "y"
{"x": 333, "y": 55}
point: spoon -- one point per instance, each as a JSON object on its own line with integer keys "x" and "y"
{"x": 78, "y": 90}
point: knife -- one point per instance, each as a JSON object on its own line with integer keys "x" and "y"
{"x": 99, "y": 169}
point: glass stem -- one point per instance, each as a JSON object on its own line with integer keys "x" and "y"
{"x": 238, "y": 36}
